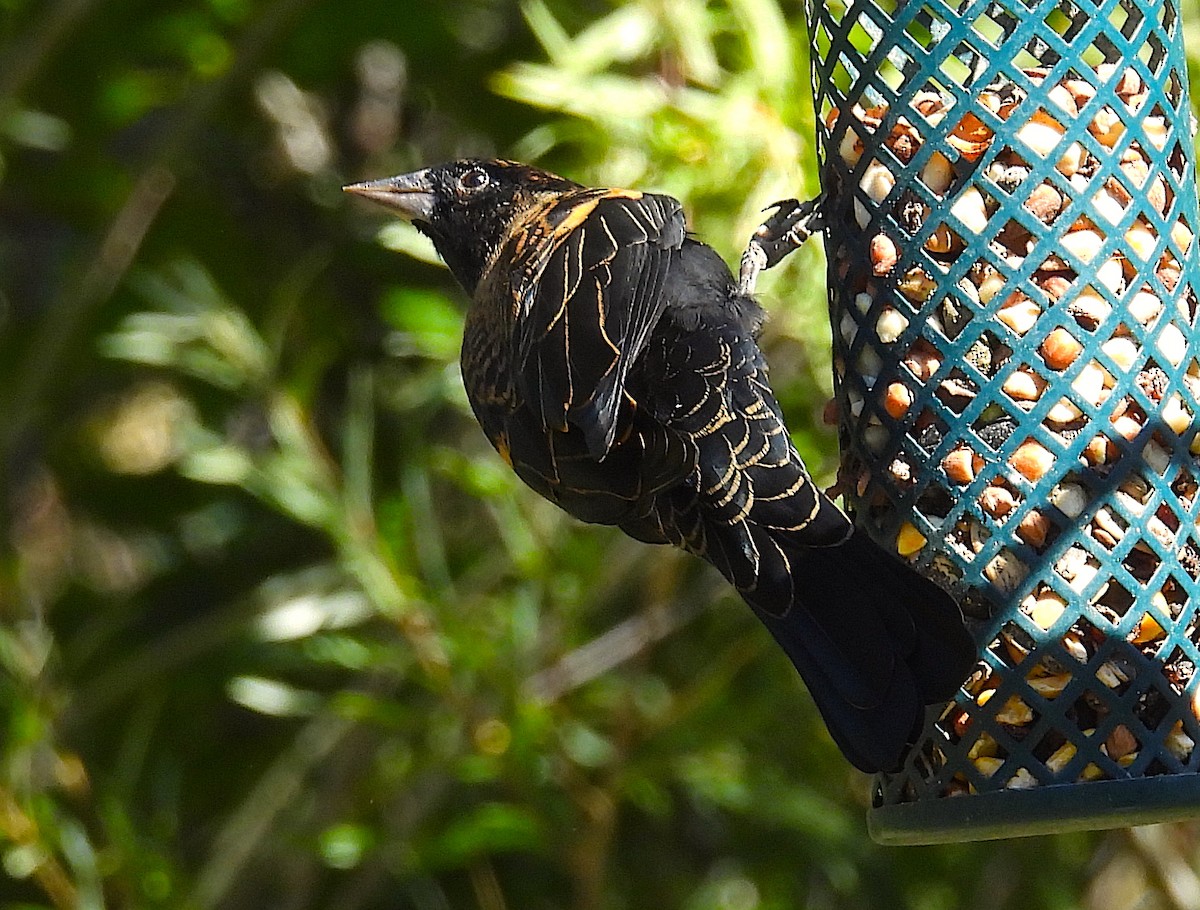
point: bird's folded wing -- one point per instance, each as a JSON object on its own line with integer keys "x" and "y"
{"x": 588, "y": 289}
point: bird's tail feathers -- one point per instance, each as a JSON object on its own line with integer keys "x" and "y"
{"x": 874, "y": 641}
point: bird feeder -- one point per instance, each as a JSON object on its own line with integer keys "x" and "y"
{"x": 1010, "y": 231}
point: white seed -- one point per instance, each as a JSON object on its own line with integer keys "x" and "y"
{"x": 1181, "y": 234}
{"x": 1081, "y": 90}
{"x": 1077, "y": 567}
{"x": 1106, "y": 528}
{"x": 1111, "y": 275}
{"x": 1062, "y": 97}
{"x": 900, "y": 470}
{"x": 1126, "y": 427}
{"x": 849, "y": 328}
{"x": 1135, "y": 168}
{"x": 937, "y": 173}
{"x": 869, "y": 364}
{"x": 1022, "y": 780}
{"x": 877, "y": 181}
{"x": 1099, "y": 450}
{"x": 862, "y": 303}
{"x": 861, "y": 215}
{"x": 1070, "y": 499}
{"x": 1075, "y": 648}
{"x": 1141, "y": 239}
{"x": 1176, "y": 415}
{"x": 1084, "y": 245}
{"x": 1072, "y": 159}
{"x": 1172, "y": 344}
{"x": 1122, "y": 351}
{"x": 971, "y": 210}
{"x": 1110, "y": 675}
{"x": 1019, "y": 313}
{"x": 1109, "y": 206}
{"x": 1063, "y": 412}
{"x": 1041, "y": 134}
{"x": 1089, "y": 308}
{"x": 1089, "y": 384}
{"x": 991, "y": 284}
{"x": 890, "y": 325}
{"x": 1145, "y": 307}
{"x": 1156, "y": 195}
{"x": 1157, "y": 131}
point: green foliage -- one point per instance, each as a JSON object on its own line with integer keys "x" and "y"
{"x": 277, "y": 628}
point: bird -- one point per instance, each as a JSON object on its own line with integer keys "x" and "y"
{"x": 612, "y": 360}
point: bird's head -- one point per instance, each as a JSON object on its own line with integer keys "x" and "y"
{"x": 466, "y": 207}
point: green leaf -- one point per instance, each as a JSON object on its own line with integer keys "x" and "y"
{"x": 429, "y": 323}
{"x": 487, "y": 829}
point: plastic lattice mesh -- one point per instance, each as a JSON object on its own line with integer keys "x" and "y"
{"x": 1012, "y": 204}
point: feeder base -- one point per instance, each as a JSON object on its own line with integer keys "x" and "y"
{"x": 1045, "y": 810}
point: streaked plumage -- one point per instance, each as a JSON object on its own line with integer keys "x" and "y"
{"x": 610, "y": 359}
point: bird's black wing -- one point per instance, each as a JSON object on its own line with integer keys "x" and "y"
{"x": 874, "y": 641}
{"x": 587, "y": 285}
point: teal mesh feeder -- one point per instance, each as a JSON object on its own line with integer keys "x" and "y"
{"x": 1011, "y": 210}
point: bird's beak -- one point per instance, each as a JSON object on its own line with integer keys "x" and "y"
{"x": 409, "y": 195}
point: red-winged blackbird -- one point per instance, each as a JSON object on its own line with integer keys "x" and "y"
{"x": 612, "y": 362}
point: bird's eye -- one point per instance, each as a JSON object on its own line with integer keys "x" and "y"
{"x": 474, "y": 179}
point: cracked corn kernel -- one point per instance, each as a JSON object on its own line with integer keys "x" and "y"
{"x": 1045, "y": 609}
{"x": 1060, "y": 758}
{"x": 1059, "y": 349}
{"x": 898, "y": 400}
{"x": 909, "y": 541}
{"x": 1032, "y": 460}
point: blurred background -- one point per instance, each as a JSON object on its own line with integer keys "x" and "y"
{"x": 277, "y": 627}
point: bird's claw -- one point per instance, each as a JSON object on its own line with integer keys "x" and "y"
{"x": 785, "y": 230}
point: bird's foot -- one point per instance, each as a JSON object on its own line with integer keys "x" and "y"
{"x": 789, "y": 226}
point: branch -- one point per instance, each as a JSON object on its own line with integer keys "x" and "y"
{"x": 619, "y": 644}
